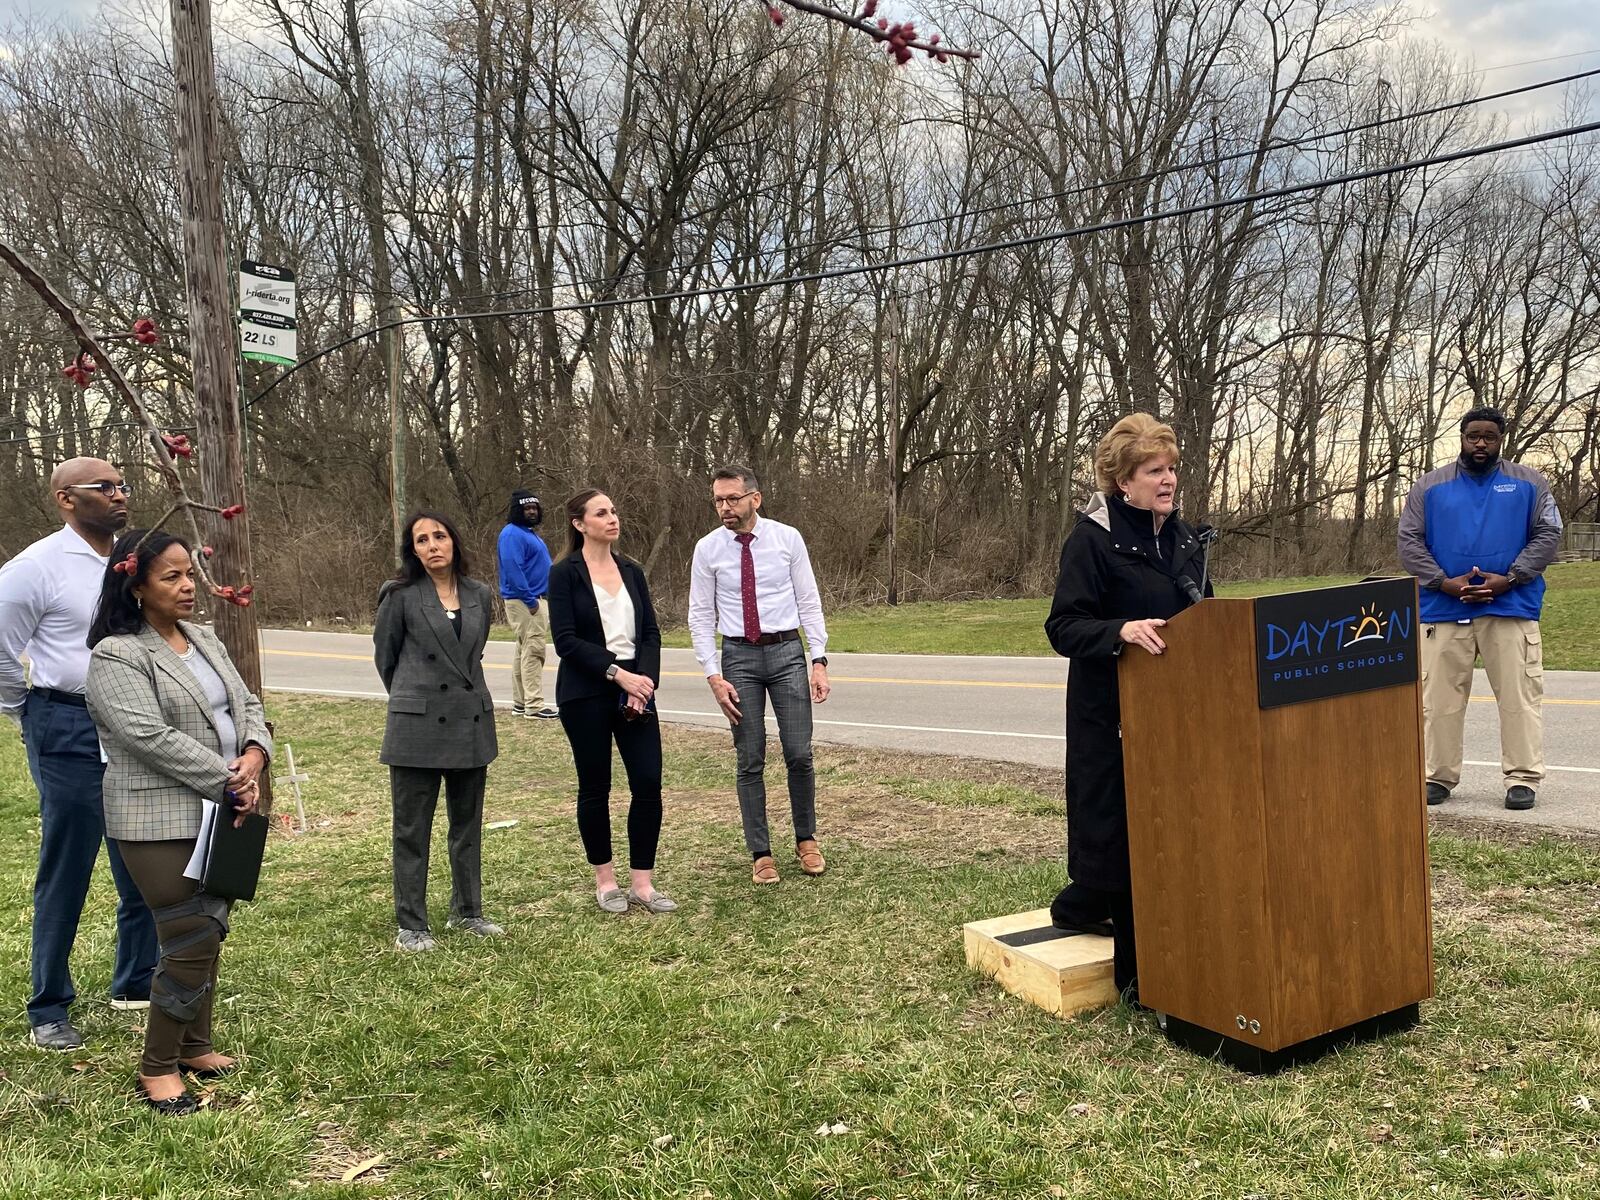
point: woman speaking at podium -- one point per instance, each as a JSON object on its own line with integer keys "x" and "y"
{"x": 1127, "y": 566}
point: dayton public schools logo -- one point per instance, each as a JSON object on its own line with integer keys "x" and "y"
{"x": 1371, "y": 637}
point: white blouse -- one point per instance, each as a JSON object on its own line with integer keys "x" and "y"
{"x": 617, "y": 619}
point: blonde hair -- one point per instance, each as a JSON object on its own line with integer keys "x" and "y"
{"x": 1131, "y": 442}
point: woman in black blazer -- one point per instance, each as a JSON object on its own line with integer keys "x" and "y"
{"x": 605, "y": 631}
{"x": 433, "y": 620}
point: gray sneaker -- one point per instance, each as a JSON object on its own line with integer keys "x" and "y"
{"x": 415, "y": 941}
{"x": 56, "y": 1035}
{"x": 477, "y": 926}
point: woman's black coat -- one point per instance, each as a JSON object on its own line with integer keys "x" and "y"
{"x": 1111, "y": 573}
{"x": 580, "y": 637}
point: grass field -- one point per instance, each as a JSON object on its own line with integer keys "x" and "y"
{"x": 699, "y": 1055}
{"x": 1571, "y": 621}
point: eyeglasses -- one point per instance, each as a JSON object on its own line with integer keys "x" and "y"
{"x": 106, "y": 489}
{"x": 730, "y": 501}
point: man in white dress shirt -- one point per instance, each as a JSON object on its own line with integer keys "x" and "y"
{"x": 752, "y": 582}
{"x": 48, "y": 594}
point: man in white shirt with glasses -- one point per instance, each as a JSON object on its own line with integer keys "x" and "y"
{"x": 48, "y": 594}
{"x": 752, "y": 582}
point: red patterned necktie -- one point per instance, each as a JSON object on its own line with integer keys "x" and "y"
{"x": 747, "y": 586}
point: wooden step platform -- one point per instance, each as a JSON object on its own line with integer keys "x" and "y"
{"x": 1063, "y": 973}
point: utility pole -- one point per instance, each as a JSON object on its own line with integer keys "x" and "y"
{"x": 397, "y": 438}
{"x": 894, "y": 452}
{"x": 212, "y": 351}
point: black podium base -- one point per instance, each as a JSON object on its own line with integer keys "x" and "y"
{"x": 1256, "y": 1061}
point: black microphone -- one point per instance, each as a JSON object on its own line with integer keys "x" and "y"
{"x": 1190, "y": 590}
{"x": 1208, "y": 538}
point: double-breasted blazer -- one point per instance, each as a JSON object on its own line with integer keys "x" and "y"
{"x": 441, "y": 715}
{"x": 580, "y": 637}
{"x": 163, "y": 752}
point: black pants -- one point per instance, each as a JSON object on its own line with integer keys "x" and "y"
{"x": 415, "y": 793}
{"x": 592, "y": 724}
{"x": 1077, "y": 904}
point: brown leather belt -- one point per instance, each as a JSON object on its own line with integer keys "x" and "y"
{"x": 768, "y": 639}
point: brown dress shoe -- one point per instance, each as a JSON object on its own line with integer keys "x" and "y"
{"x": 764, "y": 870}
{"x": 811, "y": 860}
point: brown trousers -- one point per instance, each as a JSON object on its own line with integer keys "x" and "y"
{"x": 157, "y": 869}
{"x": 1514, "y": 662}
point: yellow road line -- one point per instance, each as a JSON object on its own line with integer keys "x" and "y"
{"x": 982, "y": 683}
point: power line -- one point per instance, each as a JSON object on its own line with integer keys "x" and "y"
{"x": 1530, "y": 62}
{"x": 46, "y": 434}
{"x": 964, "y": 252}
{"x": 1144, "y": 177}
{"x": 1079, "y": 190}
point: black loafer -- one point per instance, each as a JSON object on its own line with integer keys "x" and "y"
{"x": 181, "y": 1105}
{"x": 1437, "y": 793}
{"x": 207, "y": 1072}
{"x": 1520, "y": 798}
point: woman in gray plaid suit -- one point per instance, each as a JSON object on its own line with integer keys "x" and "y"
{"x": 177, "y": 725}
{"x": 433, "y": 621}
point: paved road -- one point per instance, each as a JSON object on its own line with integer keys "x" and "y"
{"x": 1002, "y": 708}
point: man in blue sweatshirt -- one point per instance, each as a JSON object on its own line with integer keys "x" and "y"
{"x": 1478, "y": 535}
{"x": 524, "y": 578}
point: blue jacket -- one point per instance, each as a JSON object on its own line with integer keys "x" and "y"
{"x": 524, "y": 565}
{"x": 1455, "y": 520}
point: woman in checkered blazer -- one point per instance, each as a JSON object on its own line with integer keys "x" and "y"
{"x": 178, "y": 726}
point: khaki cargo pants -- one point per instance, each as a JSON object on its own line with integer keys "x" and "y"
{"x": 527, "y": 664}
{"x": 1514, "y": 663}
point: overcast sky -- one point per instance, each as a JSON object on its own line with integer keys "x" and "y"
{"x": 1491, "y": 33}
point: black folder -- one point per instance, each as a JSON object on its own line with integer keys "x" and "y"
{"x": 233, "y": 859}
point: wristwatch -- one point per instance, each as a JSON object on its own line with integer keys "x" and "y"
{"x": 821, "y": 662}
{"x": 1514, "y": 576}
{"x": 611, "y": 673}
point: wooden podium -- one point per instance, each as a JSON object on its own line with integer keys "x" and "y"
{"x": 1276, "y": 822}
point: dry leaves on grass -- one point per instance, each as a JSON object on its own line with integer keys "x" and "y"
{"x": 333, "y": 1155}
{"x": 361, "y": 1168}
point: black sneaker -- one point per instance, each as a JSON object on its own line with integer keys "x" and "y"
{"x": 1519, "y": 798}
{"x": 544, "y": 714}
{"x": 1437, "y": 793}
{"x": 518, "y": 711}
{"x": 56, "y": 1035}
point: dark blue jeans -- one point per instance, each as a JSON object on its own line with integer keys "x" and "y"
{"x": 64, "y": 756}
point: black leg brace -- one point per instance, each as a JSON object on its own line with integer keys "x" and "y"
{"x": 171, "y": 997}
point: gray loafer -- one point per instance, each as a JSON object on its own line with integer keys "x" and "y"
{"x": 612, "y": 900}
{"x": 659, "y": 903}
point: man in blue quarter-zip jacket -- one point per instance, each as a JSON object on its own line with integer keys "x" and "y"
{"x": 1478, "y": 535}
{"x": 524, "y": 578}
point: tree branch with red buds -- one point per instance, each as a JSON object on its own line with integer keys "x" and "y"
{"x": 92, "y": 360}
{"x": 900, "y": 39}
